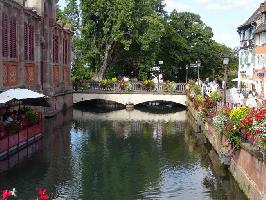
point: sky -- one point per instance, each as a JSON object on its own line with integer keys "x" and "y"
{"x": 223, "y": 16}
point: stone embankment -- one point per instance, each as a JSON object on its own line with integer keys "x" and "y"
{"x": 247, "y": 165}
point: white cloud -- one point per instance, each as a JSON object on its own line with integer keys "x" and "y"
{"x": 174, "y": 4}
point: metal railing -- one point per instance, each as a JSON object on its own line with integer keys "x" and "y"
{"x": 133, "y": 87}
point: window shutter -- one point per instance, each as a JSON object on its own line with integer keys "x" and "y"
{"x": 55, "y": 49}
{"x": 30, "y": 73}
{"x": 65, "y": 51}
{"x": 13, "y": 37}
{"x": 241, "y": 58}
{"x": 253, "y": 57}
{"x": 4, "y": 35}
{"x": 31, "y": 42}
{"x": 26, "y": 41}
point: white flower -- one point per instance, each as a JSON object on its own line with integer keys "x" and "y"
{"x": 13, "y": 192}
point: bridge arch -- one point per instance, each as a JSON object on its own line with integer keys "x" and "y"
{"x": 130, "y": 98}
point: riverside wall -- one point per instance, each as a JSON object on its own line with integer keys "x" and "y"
{"x": 247, "y": 165}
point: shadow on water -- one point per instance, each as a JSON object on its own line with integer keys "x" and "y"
{"x": 160, "y": 107}
{"x": 155, "y": 107}
{"x": 98, "y": 106}
{"x": 122, "y": 155}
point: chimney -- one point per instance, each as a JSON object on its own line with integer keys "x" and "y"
{"x": 263, "y": 6}
{"x": 37, "y": 5}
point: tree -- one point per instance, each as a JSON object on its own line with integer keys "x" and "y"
{"x": 186, "y": 40}
{"x": 128, "y": 37}
{"x": 111, "y": 28}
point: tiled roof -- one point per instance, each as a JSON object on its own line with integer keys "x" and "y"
{"x": 253, "y": 18}
{"x": 261, "y": 28}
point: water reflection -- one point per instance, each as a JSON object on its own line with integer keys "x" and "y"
{"x": 94, "y": 157}
{"x": 134, "y": 115}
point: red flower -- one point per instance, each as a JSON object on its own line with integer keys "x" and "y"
{"x": 6, "y": 194}
{"x": 42, "y": 194}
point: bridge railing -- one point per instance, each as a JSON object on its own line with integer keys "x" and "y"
{"x": 134, "y": 87}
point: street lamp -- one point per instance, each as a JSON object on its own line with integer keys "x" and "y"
{"x": 225, "y": 62}
{"x": 198, "y": 63}
{"x": 186, "y": 72}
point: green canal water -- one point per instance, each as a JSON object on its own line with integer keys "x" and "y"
{"x": 121, "y": 155}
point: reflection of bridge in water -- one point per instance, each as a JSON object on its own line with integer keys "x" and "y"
{"x": 124, "y": 115}
{"x": 134, "y": 117}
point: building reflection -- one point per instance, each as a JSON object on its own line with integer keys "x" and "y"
{"x": 43, "y": 164}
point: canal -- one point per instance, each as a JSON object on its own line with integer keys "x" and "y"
{"x": 120, "y": 155}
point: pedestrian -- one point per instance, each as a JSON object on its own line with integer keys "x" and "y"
{"x": 239, "y": 99}
{"x": 254, "y": 93}
{"x": 233, "y": 92}
{"x": 207, "y": 81}
{"x": 251, "y": 101}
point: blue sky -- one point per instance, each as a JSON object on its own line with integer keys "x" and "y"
{"x": 224, "y": 16}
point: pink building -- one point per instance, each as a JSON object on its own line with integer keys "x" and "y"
{"x": 35, "y": 51}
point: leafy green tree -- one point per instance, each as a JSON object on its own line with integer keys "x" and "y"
{"x": 111, "y": 29}
{"x": 186, "y": 40}
{"x": 128, "y": 37}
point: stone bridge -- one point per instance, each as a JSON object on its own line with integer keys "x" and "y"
{"x": 136, "y": 95}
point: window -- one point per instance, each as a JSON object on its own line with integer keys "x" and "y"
{"x": 28, "y": 42}
{"x": 253, "y": 33}
{"x": 55, "y": 49}
{"x": 65, "y": 75}
{"x": 65, "y": 51}
{"x": 56, "y": 73}
{"x": 13, "y": 38}
{"x": 253, "y": 56}
{"x": 246, "y": 57}
{"x": 4, "y": 35}
{"x": 241, "y": 58}
{"x": 263, "y": 38}
{"x": 242, "y": 35}
{"x": 9, "y": 74}
{"x": 29, "y": 74}
{"x": 31, "y": 42}
{"x": 247, "y": 34}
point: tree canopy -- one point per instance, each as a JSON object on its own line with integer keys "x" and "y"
{"x": 129, "y": 37}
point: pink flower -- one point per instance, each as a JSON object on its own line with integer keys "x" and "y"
{"x": 6, "y": 194}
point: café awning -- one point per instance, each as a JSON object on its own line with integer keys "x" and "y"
{"x": 27, "y": 96}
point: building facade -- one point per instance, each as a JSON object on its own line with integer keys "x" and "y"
{"x": 35, "y": 51}
{"x": 252, "y": 54}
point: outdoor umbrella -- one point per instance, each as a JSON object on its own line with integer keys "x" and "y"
{"x": 27, "y": 96}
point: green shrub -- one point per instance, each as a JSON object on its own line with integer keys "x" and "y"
{"x": 170, "y": 86}
{"x": 31, "y": 116}
{"x": 215, "y": 96}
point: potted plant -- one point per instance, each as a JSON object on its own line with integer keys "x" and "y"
{"x": 13, "y": 127}
{"x": 31, "y": 116}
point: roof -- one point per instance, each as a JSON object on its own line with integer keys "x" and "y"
{"x": 261, "y": 28}
{"x": 253, "y": 18}
{"x": 16, "y": 4}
